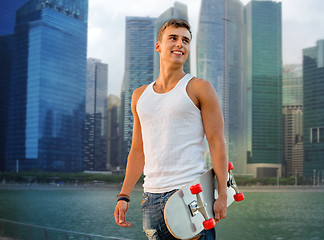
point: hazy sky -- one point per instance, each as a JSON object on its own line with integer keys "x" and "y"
{"x": 303, "y": 25}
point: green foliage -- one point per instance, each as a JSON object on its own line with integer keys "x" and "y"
{"x": 249, "y": 181}
{"x": 48, "y": 177}
{"x": 56, "y": 177}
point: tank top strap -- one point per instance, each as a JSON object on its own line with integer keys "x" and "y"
{"x": 184, "y": 82}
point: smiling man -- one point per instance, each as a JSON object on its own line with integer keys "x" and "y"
{"x": 172, "y": 115}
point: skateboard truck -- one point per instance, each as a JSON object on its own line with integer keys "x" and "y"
{"x": 239, "y": 196}
{"x": 199, "y": 206}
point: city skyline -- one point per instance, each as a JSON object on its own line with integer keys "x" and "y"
{"x": 35, "y": 112}
{"x": 106, "y": 35}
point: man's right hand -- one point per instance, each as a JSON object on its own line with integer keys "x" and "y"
{"x": 120, "y": 213}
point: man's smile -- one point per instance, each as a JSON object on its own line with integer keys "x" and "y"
{"x": 178, "y": 52}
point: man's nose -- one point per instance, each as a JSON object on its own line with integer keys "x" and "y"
{"x": 179, "y": 43}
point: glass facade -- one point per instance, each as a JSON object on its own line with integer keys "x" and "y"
{"x": 292, "y": 85}
{"x": 220, "y": 55}
{"x": 139, "y": 46}
{"x": 95, "y": 155}
{"x": 179, "y": 11}
{"x": 8, "y": 15}
{"x": 264, "y": 84}
{"x": 47, "y": 89}
{"x": 7, "y": 25}
{"x": 313, "y": 85}
{"x": 5, "y": 70}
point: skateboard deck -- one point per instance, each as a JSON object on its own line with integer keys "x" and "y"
{"x": 190, "y": 210}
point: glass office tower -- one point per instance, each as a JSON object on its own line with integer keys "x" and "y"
{"x": 47, "y": 89}
{"x": 313, "y": 74}
{"x": 95, "y": 156}
{"x": 264, "y": 88}
{"x": 139, "y": 46}
{"x": 7, "y": 25}
{"x": 220, "y": 52}
{"x": 8, "y": 15}
{"x": 179, "y": 11}
{"x": 6, "y": 48}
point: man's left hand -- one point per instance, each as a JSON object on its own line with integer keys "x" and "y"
{"x": 220, "y": 209}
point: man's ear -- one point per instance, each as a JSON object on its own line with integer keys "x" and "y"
{"x": 157, "y": 46}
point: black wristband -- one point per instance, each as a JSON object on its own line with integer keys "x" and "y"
{"x": 126, "y": 199}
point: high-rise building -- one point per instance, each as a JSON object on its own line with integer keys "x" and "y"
{"x": 179, "y": 11}
{"x": 7, "y": 24}
{"x": 220, "y": 56}
{"x": 113, "y": 146}
{"x": 5, "y": 71}
{"x": 139, "y": 49}
{"x": 264, "y": 87}
{"x": 292, "y": 85}
{"x": 95, "y": 155}
{"x": 47, "y": 88}
{"x": 122, "y": 141}
{"x": 292, "y": 99}
{"x": 313, "y": 87}
{"x": 8, "y": 15}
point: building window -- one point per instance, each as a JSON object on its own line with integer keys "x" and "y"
{"x": 316, "y": 135}
{"x": 321, "y": 134}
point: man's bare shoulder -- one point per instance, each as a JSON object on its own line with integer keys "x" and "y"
{"x": 199, "y": 85}
{"x": 138, "y": 92}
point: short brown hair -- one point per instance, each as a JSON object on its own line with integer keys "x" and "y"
{"x": 177, "y": 23}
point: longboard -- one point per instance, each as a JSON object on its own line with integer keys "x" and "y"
{"x": 190, "y": 210}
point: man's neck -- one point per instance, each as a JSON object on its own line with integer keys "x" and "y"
{"x": 168, "y": 78}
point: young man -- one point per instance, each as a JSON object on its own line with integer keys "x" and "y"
{"x": 171, "y": 117}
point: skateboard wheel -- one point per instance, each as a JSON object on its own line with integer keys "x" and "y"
{"x": 239, "y": 197}
{"x": 209, "y": 224}
{"x": 195, "y": 189}
{"x": 230, "y": 166}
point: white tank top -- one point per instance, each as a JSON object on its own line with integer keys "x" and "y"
{"x": 173, "y": 138}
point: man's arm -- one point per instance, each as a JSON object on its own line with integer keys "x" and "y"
{"x": 135, "y": 163}
{"x": 213, "y": 122}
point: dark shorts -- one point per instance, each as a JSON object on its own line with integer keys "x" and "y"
{"x": 153, "y": 219}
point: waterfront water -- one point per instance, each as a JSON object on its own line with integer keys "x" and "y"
{"x": 266, "y": 215}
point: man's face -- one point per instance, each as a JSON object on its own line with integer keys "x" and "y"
{"x": 174, "y": 45}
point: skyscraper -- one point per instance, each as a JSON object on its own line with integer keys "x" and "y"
{"x": 264, "y": 87}
{"x": 220, "y": 56}
{"x": 179, "y": 11}
{"x": 313, "y": 80}
{"x": 123, "y": 140}
{"x": 8, "y": 15}
{"x": 292, "y": 85}
{"x": 7, "y": 24}
{"x": 95, "y": 156}
{"x": 139, "y": 46}
{"x": 47, "y": 89}
{"x": 113, "y": 147}
{"x": 292, "y": 98}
